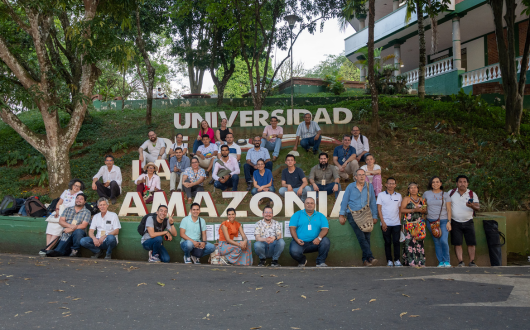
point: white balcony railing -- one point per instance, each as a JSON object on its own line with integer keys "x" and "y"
{"x": 487, "y": 73}
{"x": 431, "y": 70}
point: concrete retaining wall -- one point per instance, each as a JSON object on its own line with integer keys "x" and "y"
{"x": 518, "y": 229}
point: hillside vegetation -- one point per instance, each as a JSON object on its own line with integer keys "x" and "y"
{"x": 418, "y": 139}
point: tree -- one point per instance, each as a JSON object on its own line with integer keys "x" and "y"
{"x": 333, "y": 65}
{"x": 513, "y": 89}
{"x": 50, "y": 50}
{"x": 238, "y": 84}
{"x": 284, "y": 73}
{"x": 371, "y": 68}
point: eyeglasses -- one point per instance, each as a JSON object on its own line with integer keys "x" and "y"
{"x": 77, "y": 185}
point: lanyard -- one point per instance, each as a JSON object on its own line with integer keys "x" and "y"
{"x": 309, "y": 218}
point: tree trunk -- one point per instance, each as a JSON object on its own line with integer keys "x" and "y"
{"x": 371, "y": 68}
{"x": 58, "y": 163}
{"x": 421, "y": 35}
{"x": 150, "y": 70}
{"x": 195, "y": 75}
{"x": 220, "y": 92}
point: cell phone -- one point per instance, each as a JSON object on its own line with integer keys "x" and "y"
{"x": 470, "y": 200}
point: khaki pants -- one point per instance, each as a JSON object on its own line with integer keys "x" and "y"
{"x": 349, "y": 169}
{"x": 205, "y": 163}
{"x": 151, "y": 158}
{"x": 175, "y": 176}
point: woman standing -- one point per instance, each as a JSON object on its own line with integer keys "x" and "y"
{"x": 439, "y": 207}
{"x": 373, "y": 174}
{"x": 67, "y": 199}
{"x": 148, "y": 182}
{"x": 235, "y": 253}
{"x": 205, "y": 130}
{"x": 413, "y": 209}
{"x": 221, "y": 132}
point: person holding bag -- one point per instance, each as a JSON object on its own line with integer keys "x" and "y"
{"x": 360, "y": 206}
{"x": 413, "y": 209}
{"x": 235, "y": 253}
{"x": 438, "y": 213}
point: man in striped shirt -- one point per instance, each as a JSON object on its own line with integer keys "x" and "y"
{"x": 308, "y": 134}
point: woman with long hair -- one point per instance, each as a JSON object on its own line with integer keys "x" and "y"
{"x": 220, "y": 133}
{"x": 204, "y": 130}
{"x": 412, "y": 209}
{"x": 232, "y": 252}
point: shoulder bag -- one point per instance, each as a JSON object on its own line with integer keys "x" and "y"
{"x": 196, "y": 251}
{"x": 435, "y": 225}
{"x": 363, "y": 217}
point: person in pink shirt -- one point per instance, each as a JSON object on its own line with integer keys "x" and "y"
{"x": 205, "y": 130}
{"x": 272, "y": 138}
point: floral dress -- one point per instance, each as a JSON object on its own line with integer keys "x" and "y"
{"x": 413, "y": 251}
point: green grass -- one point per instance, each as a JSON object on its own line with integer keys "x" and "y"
{"x": 351, "y": 92}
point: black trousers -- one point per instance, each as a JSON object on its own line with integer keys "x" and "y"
{"x": 112, "y": 191}
{"x": 391, "y": 237}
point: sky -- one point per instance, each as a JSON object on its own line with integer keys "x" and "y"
{"x": 310, "y": 49}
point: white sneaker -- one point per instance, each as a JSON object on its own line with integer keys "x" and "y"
{"x": 195, "y": 260}
{"x": 397, "y": 263}
{"x": 390, "y": 263}
{"x": 187, "y": 260}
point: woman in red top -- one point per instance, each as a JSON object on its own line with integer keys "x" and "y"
{"x": 205, "y": 130}
{"x": 235, "y": 253}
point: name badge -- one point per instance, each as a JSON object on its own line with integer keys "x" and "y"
{"x": 74, "y": 222}
{"x": 103, "y": 232}
{"x": 343, "y": 159}
{"x": 308, "y": 227}
{"x": 323, "y": 182}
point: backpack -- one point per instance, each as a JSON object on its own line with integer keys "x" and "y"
{"x": 92, "y": 208}
{"x": 8, "y": 205}
{"x": 470, "y": 195}
{"x": 141, "y": 226}
{"x": 53, "y": 205}
{"x": 223, "y": 170}
{"x": 35, "y": 208}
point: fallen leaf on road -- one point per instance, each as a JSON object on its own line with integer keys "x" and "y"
{"x": 414, "y": 316}
{"x": 258, "y": 289}
{"x": 303, "y": 296}
{"x": 28, "y": 312}
{"x": 279, "y": 283}
{"x": 63, "y": 281}
{"x": 255, "y": 328}
{"x": 66, "y": 315}
{"x": 423, "y": 279}
{"x": 244, "y": 282}
{"x": 355, "y": 309}
{"x": 27, "y": 278}
{"x": 371, "y": 300}
{"x": 52, "y": 302}
{"x": 208, "y": 315}
{"x": 64, "y": 307}
{"x": 321, "y": 286}
{"x": 277, "y": 291}
{"x": 160, "y": 283}
{"x": 76, "y": 298}
{"x": 352, "y": 299}
{"x": 9, "y": 276}
{"x": 486, "y": 272}
{"x": 322, "y": 290}
{"x": 262, "y": 275}
{"x": 401, "y": 315}
{"x": 58, "y": 290}
{"x": 406, "y": 295}
{"x": 16, "y": 315}
{"x": 142, "y": 284}
{"x": 294, "y": 328}
{"x": 272, "y": 275}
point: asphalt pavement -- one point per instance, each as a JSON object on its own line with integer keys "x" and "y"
{"x": 80, "y": 293}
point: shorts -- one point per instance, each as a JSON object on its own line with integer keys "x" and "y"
{"x": 461, "y": 230}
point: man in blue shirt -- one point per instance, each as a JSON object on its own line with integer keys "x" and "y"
{"x": 355, "y": 198}
{"x": 345, "y": 158}
{"x": 309, "y": 229}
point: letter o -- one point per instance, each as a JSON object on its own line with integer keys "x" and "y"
{"x": 276, "y": 209}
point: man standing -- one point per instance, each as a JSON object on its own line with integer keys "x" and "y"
{"x": 177, "y": 165}
{"x": 325, "y": 177}
{"x": 388, "y": 206}
{"x": 111, "y": 185}
{"x": 308, "y": 134}
{"x": 309, "y": 229}
{"x": 206, "y": 154}
{"x": 293, "y": 179}
{"x": 252, "y": 160}
{"x": 74, "y": 220}
{"x": 235, "y": 150}
{"x": 269, "y": 242}
{"x": 193, "y": 235}
{"x": 345, "y": 158}
{"x": 464, "y": 203}
{"x": 156, "y": 227}
{"x": 108, "y": 227}
{"x": 226, "y": 171}
{"x": 152, "y": 149}
{"x": 272, "y": 138}
{"x": 360, "y": 143}
{"x": 355, "y": 198}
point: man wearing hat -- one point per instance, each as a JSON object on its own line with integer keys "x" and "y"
{"x": 152, "y": 149}
{"x": 148, "y": 182}
{"x": 253, "y": 155}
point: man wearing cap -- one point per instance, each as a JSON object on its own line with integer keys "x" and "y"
{"x": 272, "y": 138}
{"x": 152, "y": 149}
{"x": 253, "y": 155}
{"x": 308, "y": 134}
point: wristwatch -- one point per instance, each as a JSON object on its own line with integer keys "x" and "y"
{"x": 319, "y": 238}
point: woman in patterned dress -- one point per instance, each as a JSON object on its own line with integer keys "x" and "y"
{"x": 235, "y": 253}
{"x": 413, "y": 208}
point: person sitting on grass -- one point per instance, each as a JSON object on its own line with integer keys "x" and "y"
{"x": 152, "y": 149}
{"x": 235, "y": 150}
{"x": 253, "y": 155}
{"x": 205, "y": 130}
{"x": 232, "y": 252}
{"x": 177, "y": 164}
{"x": 360, "y": 143}
{"x": 111, "y": 185}
{"x": 325, "y": 177}
{"x": 262, "y": 179}
{"x": 226, "y": 171}
{"x": 222, "y": 132}
{"x": 108, "y": 226}
{"x": 373, "y": 174}
{"x": 293, "y": 179}
{"x": 308, "y": 134}
{"x": 192, "y": 179}
{"x": 148, "y": 183}
{"x": 269, "y": 242}
{"x": 345, "y": 158}
{"x": 156, "y": 227}
{"x": 206, "y": 154}
{"x": 272, "y": 138}
{"x": 193, "y": 236}
{"x": 179, "y": 144}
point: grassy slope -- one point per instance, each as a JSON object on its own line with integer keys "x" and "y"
{"x": 417, "y": 140}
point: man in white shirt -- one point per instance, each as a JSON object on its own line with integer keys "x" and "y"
{"x": 108, "y": 226}
{"x": 152, "y": 149}
{"x": 235, "y": 149}
{"x": 206, "y": 154}
{"x": 226, "y": 171}
{"x": 464, "y": 203}
{"x": 272, "y": 138}
{"x": 159, "y": 94}
{"x": 388, "y": 206}
{"x": 111, "y": 185}
{"x": 308, "y": 134}
{"x": 360, "y": 143}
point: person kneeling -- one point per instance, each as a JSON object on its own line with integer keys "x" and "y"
{"x": 226, "y": 171}
{"x": 309, "y": 229}
{"x": 233, "y": 253}
{"x": 108, "y": 226}
{"x": 269, "y": 242}
{"x": 193, "y": 236}
{"x": 156, "y": 227}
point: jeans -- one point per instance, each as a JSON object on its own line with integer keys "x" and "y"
{"x": 108, "y": 244}
{"x": 249, "y": 170}
{"x": 112, "y": 191}
{"x": 192, "y": 191}
{"x": 151, "y": 158}
{"x": 187, "y": 246}
{"x": 391, "y": 237}
{"x": 155, "y": 245}
{"x": 196, "y": 145}
{"x": 310, "y": 141}
{"x": 72, "y": 243}
{"x": 441, "y": 245}
{"x": 307, "y": 189}
{"x": 297, "y": 251}
{"x": 255, "y": 190}
{"x": 231, "y": 182}
{"x": 363, "y": 238}
{"x": 273, "y": 147}
{"x": 272, "y": 250}
{"x": 329, "y": 188}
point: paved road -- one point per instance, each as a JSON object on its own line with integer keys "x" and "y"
{"x": 77, "y": 293}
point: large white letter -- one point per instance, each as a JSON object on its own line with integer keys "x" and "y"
{"x": 246, "y": 119}
{"x": 232, "y": 119}
{"x": 187, "y": 120}
{"x": 127, "y": 208}
{"x": 163, "y": 169}
{"x": 238, "y": 198}
{"x": 289, "y": 116}
{"x": 196, "y": 120}
{"x": 278, "y": 114}
{"x": 136, "y": 169}
{"x": 325, "y": 114}
{"x": 336, "y": 208}
{"x": 176, "y": 203}
{"x": 213, "y": 119}
{"x": 291, "y": 197}
{"x": 323, "y": 202}
{"x": 210, "y": 206}
{"x": 276, "y": 209}
{"x": 297, "y": 113}
{"x": 260, "y": 117}
{"x": 336, "y": 116}
{"x": 159, "y": 198}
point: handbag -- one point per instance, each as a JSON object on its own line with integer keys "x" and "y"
{"x": 436, "y": 231}
{"x": 417, "y": 229}
{"x": 363, "y": 217}
{"x": 197, "y": 252}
